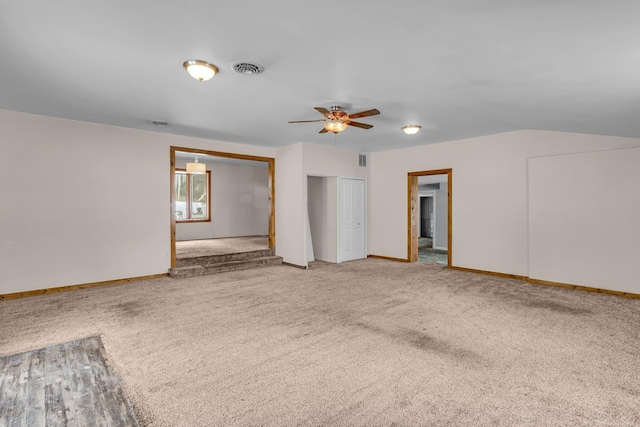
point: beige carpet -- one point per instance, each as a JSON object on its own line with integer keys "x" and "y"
{"x": 369, "y": 342}
{"x": 230, "y": 245}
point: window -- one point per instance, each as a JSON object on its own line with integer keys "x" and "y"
{"x": 192, "y": 196}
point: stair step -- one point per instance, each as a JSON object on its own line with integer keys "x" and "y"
{"x": 219, "y": 267}
{"x": 213, "y": 259}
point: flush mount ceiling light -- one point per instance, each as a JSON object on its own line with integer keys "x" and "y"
{"x": 335, "y": 126}
{"x": 200, "y": 70}
{"x": 196, "y": 167}
{"x": 411, "y": 129}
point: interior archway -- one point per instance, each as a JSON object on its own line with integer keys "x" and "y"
{"x": 271, "y": 189}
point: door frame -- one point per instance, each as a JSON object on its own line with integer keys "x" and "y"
{"x": 366, "y": 230}
{"x": 271, "y": 162}
{"x": 413, "y": 202}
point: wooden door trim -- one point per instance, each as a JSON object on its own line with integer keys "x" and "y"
{"x": 271, "y": 163}
{"x": 412, "y": 203}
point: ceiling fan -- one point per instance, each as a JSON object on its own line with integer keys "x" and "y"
{"x": 336, "y": 120}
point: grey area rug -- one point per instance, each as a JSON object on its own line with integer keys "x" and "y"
{"x": 364, "y": 343}
{"x": 67, "y": 384}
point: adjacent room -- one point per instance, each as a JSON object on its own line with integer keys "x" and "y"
{"x": 273, "y": 214}
{"x": 433, "y": 241}
{"x": 221, "y": 213}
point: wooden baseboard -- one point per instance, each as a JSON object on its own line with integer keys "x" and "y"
{"x": 302, "y": 267}
{"x": 76, "y": 287}
{"x": 584, "y": 288}
{"x": 490, "y": 273}
{"x": 549, "y": 283}
{"x": 388, "y": 258}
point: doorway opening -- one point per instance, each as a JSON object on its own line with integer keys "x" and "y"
{"x": 228, "y": 209}
{"x": 429, "y": 217}
{"x": 337, "y": 220}
{"x": 322, "y": 208}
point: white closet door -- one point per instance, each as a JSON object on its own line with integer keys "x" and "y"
{"x": 352, "y": 216}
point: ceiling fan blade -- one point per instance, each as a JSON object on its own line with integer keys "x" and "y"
{"x": 323, "y": 131}
{"x": 372, "y": 112}
{"x": 360, "y": 125}
{"x": 307, "y": 121}
{"x": 323, "y": 111}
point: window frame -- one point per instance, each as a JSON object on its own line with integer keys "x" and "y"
{"x": 188, "y": 197}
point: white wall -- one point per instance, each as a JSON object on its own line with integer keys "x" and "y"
{"x": 490, "y": 195}
{"x": 291, "y": 206}
{"x": 294, "y": 164}
{"x": 239, "y": 202}
{"x": 94, "y": 204}
{"x": 65, "y": 224}
{"x": 327, "y": 161}
{"x": 584, "y": 219}
{"x": 322, "y": 195}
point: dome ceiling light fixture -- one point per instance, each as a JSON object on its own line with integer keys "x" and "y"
{"x": 200, "y": 70}
{"x": 411, "y": 129}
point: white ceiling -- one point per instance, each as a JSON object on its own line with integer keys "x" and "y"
{"x": 459, "y": 68}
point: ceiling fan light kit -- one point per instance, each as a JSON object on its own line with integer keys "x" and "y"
{"x": 411, "y": 129}
{"x": 335, "y": 126}
{"x": 200, "y": 70}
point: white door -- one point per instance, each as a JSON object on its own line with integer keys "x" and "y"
{"x": 352, "y": 219}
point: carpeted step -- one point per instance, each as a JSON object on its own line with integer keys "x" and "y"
{"x": 219, "y": 267}
{"x": 214, "y": 259}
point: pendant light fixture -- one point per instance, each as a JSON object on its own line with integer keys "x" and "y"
{"x": 196, "y": 167}
{"x": 200, "y": 70}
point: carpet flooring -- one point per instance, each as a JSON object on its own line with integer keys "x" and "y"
{"x": 364, "y": 343}
{"x": 230, "y": 245}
